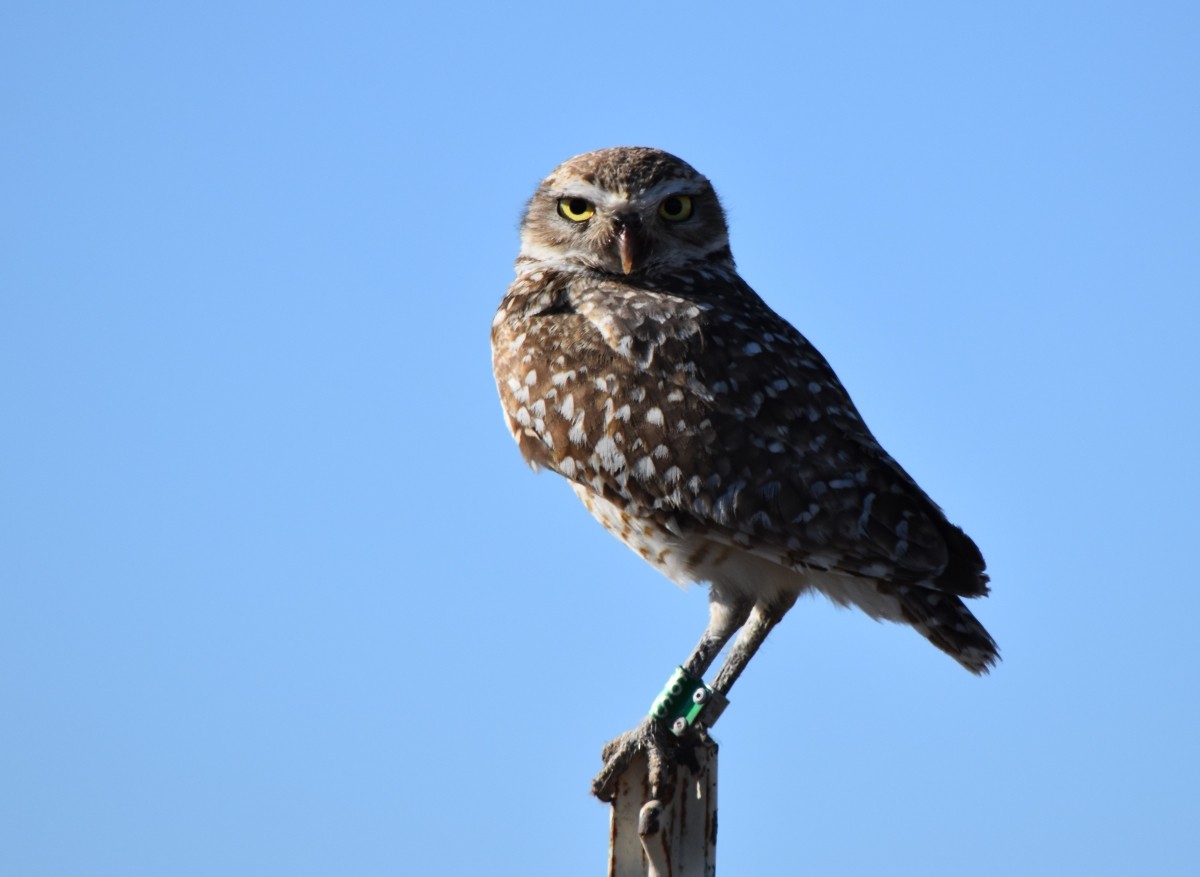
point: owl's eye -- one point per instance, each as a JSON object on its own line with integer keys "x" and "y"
{"x": 576, "y": 209}
{"x": 677, "y": 208}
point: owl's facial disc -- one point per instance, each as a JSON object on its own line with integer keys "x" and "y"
{"x": 625, "y": 211}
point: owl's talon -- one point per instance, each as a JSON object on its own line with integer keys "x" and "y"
{"x": 664, "y": 752}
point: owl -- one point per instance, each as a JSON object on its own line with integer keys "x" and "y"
{"x": 705, "y": 432}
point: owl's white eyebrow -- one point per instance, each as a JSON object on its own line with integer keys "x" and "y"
{"x": 672, "y": 187}
{"x": 596, "y": 195}
{"x": 604, "y": 198}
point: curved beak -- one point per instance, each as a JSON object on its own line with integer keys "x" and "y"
{"x": 628, "y": 247}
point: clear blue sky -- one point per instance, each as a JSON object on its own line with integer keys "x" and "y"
{"x": 277, "y": 595}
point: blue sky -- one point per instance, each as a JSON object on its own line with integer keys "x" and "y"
{"x": 277, "y": 595}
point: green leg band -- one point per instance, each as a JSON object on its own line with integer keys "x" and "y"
{"x": 681, "y": 702}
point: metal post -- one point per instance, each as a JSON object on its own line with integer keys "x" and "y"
{"x": 674, "y": 838}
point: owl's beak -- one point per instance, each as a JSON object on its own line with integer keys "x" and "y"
{"x": 627, "y": 244}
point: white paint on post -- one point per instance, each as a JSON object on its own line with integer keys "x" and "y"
{"x": 675, "y": 838}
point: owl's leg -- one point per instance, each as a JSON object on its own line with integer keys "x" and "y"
{"x": 725, "y": 615}
{"x": 662, "y": 748}
{"x": 762, "y": 620}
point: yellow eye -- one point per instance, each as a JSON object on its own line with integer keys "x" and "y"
{"x": 576, "y": 209}
{"x": 677, "y": 208}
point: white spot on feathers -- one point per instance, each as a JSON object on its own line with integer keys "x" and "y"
{"x": 576, "y": 433}
{"x": 609, "y": 457}
{"x": 644, "y": 469}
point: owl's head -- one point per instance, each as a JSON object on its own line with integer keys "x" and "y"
{"x": 626, "y": 210}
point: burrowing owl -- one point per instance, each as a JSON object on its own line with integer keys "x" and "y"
{"x": 701, "y": 428}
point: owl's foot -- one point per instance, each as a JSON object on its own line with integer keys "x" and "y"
{"x": 668, "y": 737}
{"x": 664, "y": 753}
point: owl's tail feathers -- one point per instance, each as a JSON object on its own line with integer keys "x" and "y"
{"x": 965, "y": 573}
{"x": 948, "y": 624}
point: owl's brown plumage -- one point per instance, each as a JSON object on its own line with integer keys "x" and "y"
{"x": 697, "y": 424}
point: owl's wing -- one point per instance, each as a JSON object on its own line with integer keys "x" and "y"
{"x": 728, "y": 420}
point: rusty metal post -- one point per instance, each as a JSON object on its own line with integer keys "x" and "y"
{"x": 675, "y": 838}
